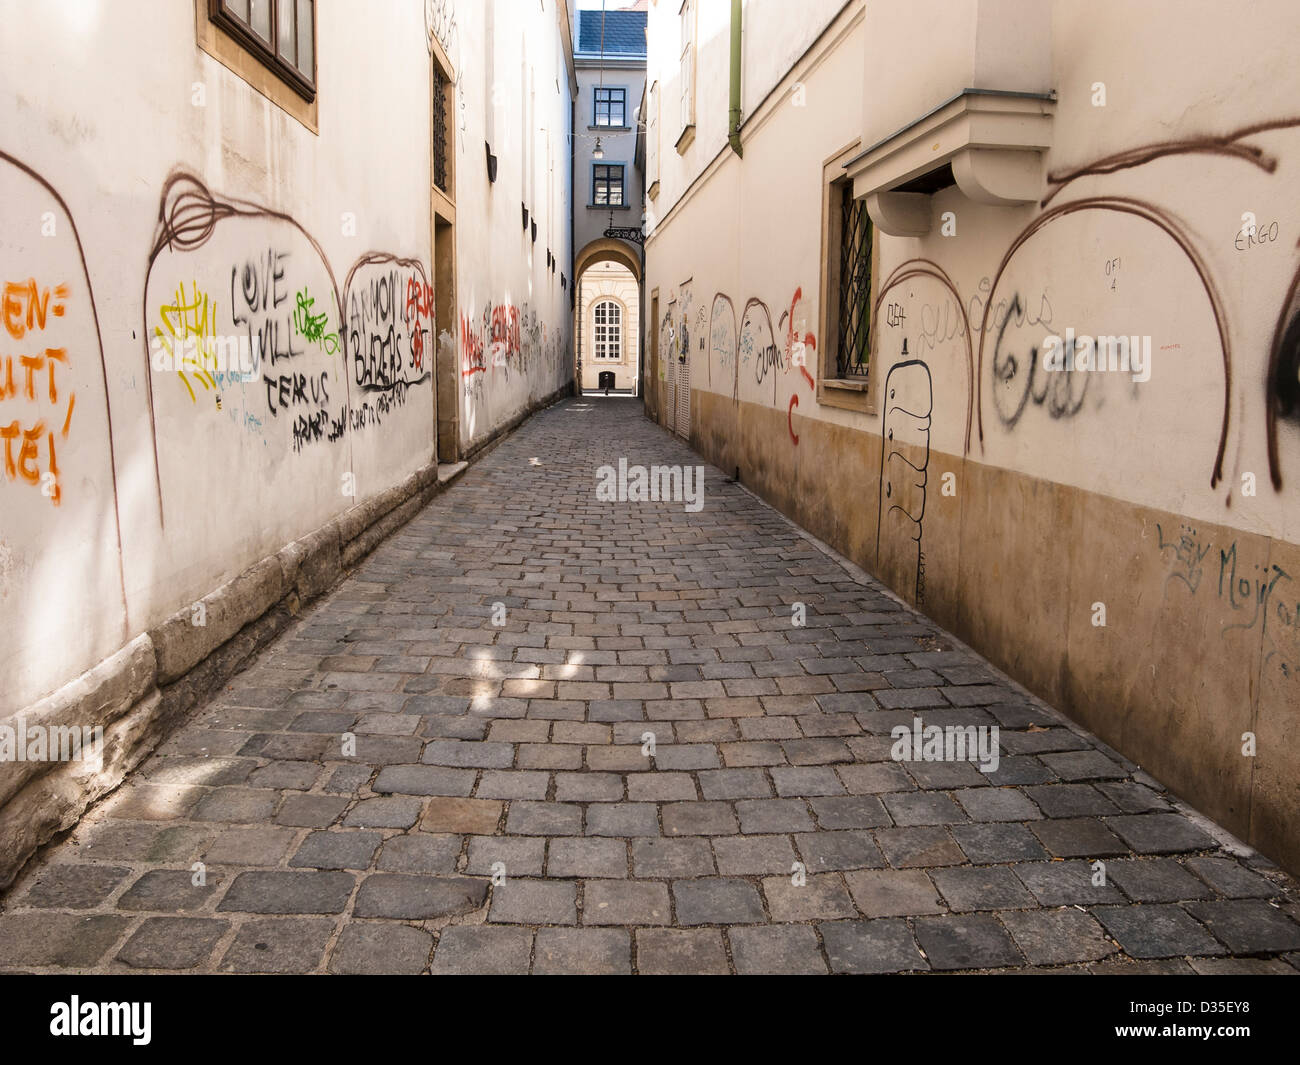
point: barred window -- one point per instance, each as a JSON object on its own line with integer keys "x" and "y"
{"x": 853, "y": 307}
{"x": 608, "y": 332}
{"x": 441, "y": 129}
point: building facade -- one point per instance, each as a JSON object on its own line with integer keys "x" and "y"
{"x": 999, "y": 298}
{"x": 609, "y": 196}
{"x": 261, "y": 295}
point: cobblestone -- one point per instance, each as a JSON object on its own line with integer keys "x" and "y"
{"x": 763, "y": 826}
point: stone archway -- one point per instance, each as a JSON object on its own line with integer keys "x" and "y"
{"x": 592, "y": 271}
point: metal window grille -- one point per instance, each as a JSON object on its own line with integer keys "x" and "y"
{"x": 441, "y": 144}
{"x": 854, "y": 311}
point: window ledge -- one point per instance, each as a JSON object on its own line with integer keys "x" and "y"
{"x": 609, "y": 207}
{"x": 653, "y": 190}
{"x": 686, "y": 139}
{"x": 215, "y": 41}
{"x": 847, "y": 394}
{"x": 610, "y": 129}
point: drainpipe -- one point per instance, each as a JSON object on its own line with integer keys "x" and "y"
{"x": 733, "y": 115}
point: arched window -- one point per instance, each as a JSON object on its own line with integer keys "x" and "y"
{"x": 609, "y": 330}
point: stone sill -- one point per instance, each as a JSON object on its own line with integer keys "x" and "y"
{"x": 846, "y": 394}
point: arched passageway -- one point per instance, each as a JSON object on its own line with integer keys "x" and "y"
{"x": 608, "y": 316}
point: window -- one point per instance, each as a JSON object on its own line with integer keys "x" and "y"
{"x": 607, "y": 185}
{"x": 652, "y": 142}
{"x": 608, "y": 332}
{"x": 853, "y": 298}
{"x": 280, "y": 33}
{"x": 442, "y": 154}
{"x": 688, "y": 64}
{"x": 611, "y": 107}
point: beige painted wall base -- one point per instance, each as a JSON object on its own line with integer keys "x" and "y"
{"x": 1179, "y": 672}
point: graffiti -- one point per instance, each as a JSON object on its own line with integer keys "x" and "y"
{"x": 440, "y": 26}
{"x": 800, "y": 344}
{"x": 36, "y": 462}
{"x": 60, "y": 525}
{"x": 185, "y": 318}
{"x": 1282, "y": 400}
{"x": 1282, "y": 381}
{"x": 419, "y": 304}
{"x": 1261, "y": 596}
{"x": 270, "y": 274}
{"x": 907, "y": 270}
{"x": 1227, "y": 145}
{"x": 312, "y": 326}
{"x": 440, "y": 23}
{"x": 1187, "y": 556}
{"x": 1020, "y": 379}
{"x": 722, "y": 339}
{"x": 505, "y": 341}
{"x": 768, "y": 358}
{"x": 389, "y": 322}
{"x": 909, "y": 402}
{"x": 1162, "y": 221}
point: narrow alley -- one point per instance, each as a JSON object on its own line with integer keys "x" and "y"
{"x": 540, "y": 731}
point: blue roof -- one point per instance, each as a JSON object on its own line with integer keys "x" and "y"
{"x": 624, "y": 32}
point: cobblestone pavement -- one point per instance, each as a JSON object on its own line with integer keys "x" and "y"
{"x": 519, "y": 750}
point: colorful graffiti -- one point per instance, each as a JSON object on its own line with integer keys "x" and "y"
{"x": 389, "y": 326}
{"x": 60, "y": 527}
{"x": 27, "y": 310}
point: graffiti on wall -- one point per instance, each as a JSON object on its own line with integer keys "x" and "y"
{"x": 58, "y": 465}
{"x": 752, "y": 360}
{"x": 904, "y": 466}
{"x": 722, "y": 345}
{"x": 247, "y": 327}
{"x": 388, "y": 330}
{"x": 1253, "y": 596}
{"x": 255, "y": 282}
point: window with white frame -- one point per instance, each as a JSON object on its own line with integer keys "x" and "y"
{"x": 688, "y": 63}
{"x": 607, "y": 318}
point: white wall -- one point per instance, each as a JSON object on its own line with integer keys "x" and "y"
{"x": 114, "y": 117}
{"x": 514, "y": 336}
{"x": 590, "y": 222}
